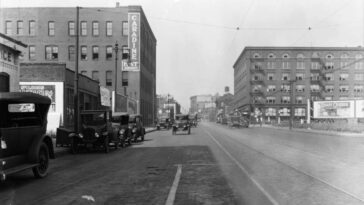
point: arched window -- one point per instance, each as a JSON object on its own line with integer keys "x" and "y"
{"x": 4, "y": 82}
{"x": 285, "y": 55}
{"x": 256, "y": 55}
{"x": 300, "y": 56}
{"x": 358, "y": 56}
{"x": 271, "y": 55}
{"x": 315, "y": 55}
{"x": 329, "y": 56}
{"x": 345, "y": 56}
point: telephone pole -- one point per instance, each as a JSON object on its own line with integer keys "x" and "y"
{"x": 75, "y": 88}
{"x": 116, "y": 69}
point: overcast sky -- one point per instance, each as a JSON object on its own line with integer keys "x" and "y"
{"x": 198, "y": 40}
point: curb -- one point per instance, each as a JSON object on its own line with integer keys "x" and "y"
{"x": 319, "y": 132}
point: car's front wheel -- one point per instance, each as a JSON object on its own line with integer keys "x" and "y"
{"x": 41, "y": 170}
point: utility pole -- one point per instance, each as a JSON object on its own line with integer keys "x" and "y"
{"x": 116, "y": 73}
{"x": 75, "y": 88}
{"x": 291, "y": 117}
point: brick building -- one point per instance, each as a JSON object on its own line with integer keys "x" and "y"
{"x": 263, "y": 77}
{"x": 51, "y": 36}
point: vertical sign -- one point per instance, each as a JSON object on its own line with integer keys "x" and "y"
{"x": 134, "y": 43}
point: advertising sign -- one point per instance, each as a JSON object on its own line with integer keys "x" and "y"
{"x": 359, "y": 109}
{"x": 105, "y": 96}
{"x": 45, "y": 90}
{"x": 333, "y": 109}
{"x": 134, "y": 43}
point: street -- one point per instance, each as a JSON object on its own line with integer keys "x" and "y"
{"x": 218, "y": 165}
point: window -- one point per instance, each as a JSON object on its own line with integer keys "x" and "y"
{"x": 300, "y": 76}
{"x": 300, "y": 65}
{"x": 271, "y": 55}
{"x": 329, "y": 88}
{"x": 343, "y": 76}
{"x": 95, "y": 75}
{"x": 108, "y": 78}
{"x": 8, "y": 28}
{"x": 108, "y": 52}
{"x": 83, "y": 52}
{"x": 344, "y": 64}
{"x": 95, "y": 52}
{"x": 19, "y": 28}
{"x": 257, "y": 88}
{"x": 84, "y": 72}
{"x": 285, "y": 88}
{"x": 343, "y": 97}
{"x": 271, "y": 88}
{"x": 32, "y": 28}
{"x": 270, "y": 65}
{"x": 300, "y": 88}
{"x": 329, "y": 56}
{"x": 108, "y": 28}
{"x": 315, "y": 76}
{"x": 285, "y": 99}
{"x": 51, "y": 52}
{"x": 256, "y": 55}
{"x": 343, "y": 88}
{"x": 358, "y": 88}
{"x": 125, "y": 28}
{"x": 95, "y": 28}
{"x": 329, "y": 66}
{"x": 299, "y": 99}
{"x": 315, "y": 66}
{"x": 285, "y": 65}
{"x": 270, "y": 76}
{"x": 51, "y": 28}
{"x": 271, "y": 100}
{"x": 359, "y": 76}
{"x": 284, "y": 111}
{"x": 71, "y": 28}
{"x": 257, "y": 66}
{"x": 285, "y": 76}
{"x": 359, "y": 62}
{"x": 124, "y": 80}
{"x": 83, "y": 28}
{"x": 257, "y": 78}
{"x": 71, "y": 53}
{"x": 31, "y": 52}
{"x": 315, "y": 88}
{"x": 329, "y": 77}
{"x": 300, "y": 112}
{"x": 270, "y": 111}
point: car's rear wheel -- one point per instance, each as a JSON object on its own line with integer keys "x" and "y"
{"x": 41, "y": 170}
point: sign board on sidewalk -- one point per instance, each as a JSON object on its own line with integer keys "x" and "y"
{"x": 333, "y": 109}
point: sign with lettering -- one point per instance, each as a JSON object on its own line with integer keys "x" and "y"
{"x": 359, "y": 110}
{"x": 45, "y": 90}
{"x": 333, "y": 109}
{"x": 105, "y": 96}
{"x": 134, "y": 43}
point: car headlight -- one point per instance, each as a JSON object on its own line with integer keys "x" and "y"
{"x": 134, "y": 130}
{"x": 80, "y": 135}
{"x": 3, "y": 144}
{"x": 97, "y": 135}
{"x": 121, "y": 132}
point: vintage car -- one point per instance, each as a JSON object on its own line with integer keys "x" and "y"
{"x": 193, "y": 120}
{"x": 181, "y": 123}
{"x": 164, "y": 123}
{"x": 95, "y": 131}
{"x": 24, "y": 142}
{"x": 136, "y": 127}
{"x": 120, "y": 125}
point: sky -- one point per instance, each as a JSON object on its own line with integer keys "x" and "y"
{"x": 198, "y": 41}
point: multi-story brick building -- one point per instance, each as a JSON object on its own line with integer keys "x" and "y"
{"x": 263, "y": 77}
{"x": 51, "y": 36}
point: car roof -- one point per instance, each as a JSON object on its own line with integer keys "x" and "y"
{"x": 23, "y": 97}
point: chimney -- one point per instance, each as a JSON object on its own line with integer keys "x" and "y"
{"x": 117, "y": 4}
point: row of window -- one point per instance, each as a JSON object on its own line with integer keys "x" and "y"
{"x": 6, "y": 56}
{"x": 284, "y": 111}
{"x": 95, "y": 75}
{"x": 314, "y": 65}
{"x": 95, "y": 28}
{"x": 313, "y": 76}
{"x": 51, "y": 52}
{"x": 301, "y": 56}
{"x": 313, "y": 88}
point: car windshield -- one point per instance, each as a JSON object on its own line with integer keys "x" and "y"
{"x": 93, "y": 118}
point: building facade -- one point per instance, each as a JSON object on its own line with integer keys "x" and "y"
{"x": 51, "y": 36}
{"x": 268, "y": 80}
{"x": 204, "y": 106}
{"x": 167, "y": 106}
{"x": 10, "y": 50}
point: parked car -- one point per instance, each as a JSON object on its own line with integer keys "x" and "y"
{"x": 164, "y": 123}
{"x": 181, "y": 123}
{"x": 193, "y": 120}
{"x": 136, "y": 127}
{"x": 24, "y": 142}
{"x": 95, "y": 130}
{"x": 120, "y": 124}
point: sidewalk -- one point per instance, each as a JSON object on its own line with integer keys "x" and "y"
{"x": 323, "y": 132}
{"x": 61, "y": 151}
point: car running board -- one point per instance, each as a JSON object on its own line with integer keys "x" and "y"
{"x": 16, "y": 169}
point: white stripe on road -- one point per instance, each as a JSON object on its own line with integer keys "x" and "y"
{"x": 173, "y": 190}
{"x": 260, "y": 187}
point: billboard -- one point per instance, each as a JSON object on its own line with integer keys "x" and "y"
{"x": 133, "y": 43}
{"x": 359, "y": 108}
{"x": 105, "y": 96}
{"x": 334, "y": 109}
{"x": 45, "y": 90}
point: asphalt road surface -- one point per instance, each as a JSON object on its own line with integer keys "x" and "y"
{"x": 213, "y": 165}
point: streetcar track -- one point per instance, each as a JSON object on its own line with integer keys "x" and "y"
{"x": 297, "y": 170}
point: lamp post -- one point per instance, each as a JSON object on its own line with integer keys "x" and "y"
{"x": 75, "y": 89}
{"x": 116, "y": 70}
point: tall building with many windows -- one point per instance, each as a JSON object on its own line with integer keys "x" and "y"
{"x": 264, "y": 78}
{"x": 50, "y": 34}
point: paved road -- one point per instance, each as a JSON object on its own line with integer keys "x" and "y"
{"x": 218, "y": 165}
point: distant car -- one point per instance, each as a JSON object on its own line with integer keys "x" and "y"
{"x": 95, "y": 131}
{"x": 193, "y": 120}
{"x": 136, "y": 127}
{"x": 181, "y": 123}
{"x": 163, "y": 123}
{"x": 120, "y": 124}
{"x": 24, "y": 142}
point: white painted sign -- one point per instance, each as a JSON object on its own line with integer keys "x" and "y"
{"x": 333, "y": 109}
